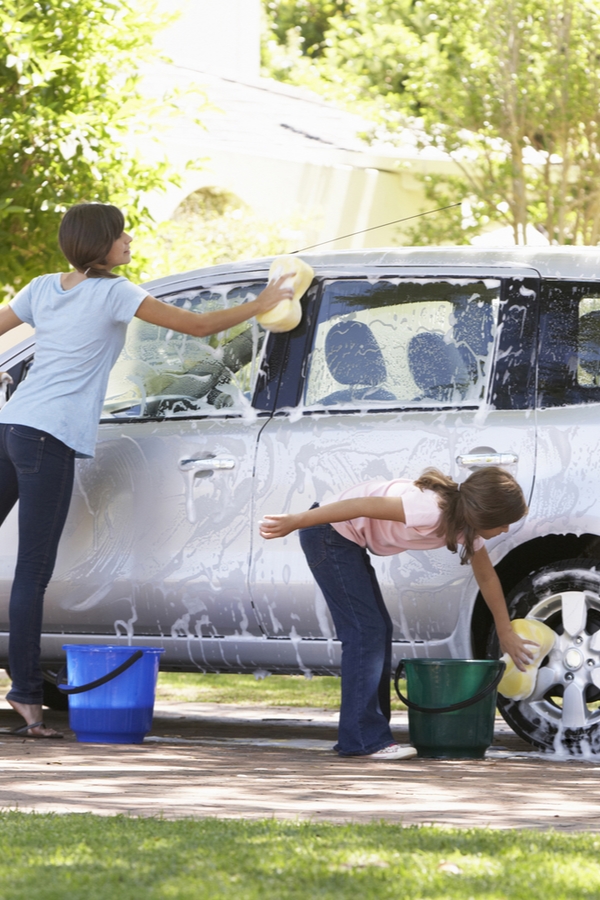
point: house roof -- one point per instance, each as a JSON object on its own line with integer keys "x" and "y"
{"x": 267, "y": 118}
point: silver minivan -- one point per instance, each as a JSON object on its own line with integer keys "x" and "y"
{"x": 407, "y": 358}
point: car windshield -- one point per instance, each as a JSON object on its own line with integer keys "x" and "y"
{"x": 162, "y": 373}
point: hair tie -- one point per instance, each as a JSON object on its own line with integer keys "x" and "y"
{"x": 87, "y": 270}
{"x": 458, "y": 486}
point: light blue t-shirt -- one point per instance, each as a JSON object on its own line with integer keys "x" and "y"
{"x": 79, "y": 335}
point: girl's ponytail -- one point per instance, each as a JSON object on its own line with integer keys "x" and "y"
{"x": 452, "y": 522}
{"x": 489, "y": 498}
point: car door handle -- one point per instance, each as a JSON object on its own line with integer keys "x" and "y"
{"x": 208, "y": 464}
{"x": 487, "y": 459}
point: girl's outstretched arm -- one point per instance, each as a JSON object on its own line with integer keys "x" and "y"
{"x": 8, "y": 320}
{"x": 341, "y": 511}
{"x": 491, "y": 589}
{"x": 202, "y": 324}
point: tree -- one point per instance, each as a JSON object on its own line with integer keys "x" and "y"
{"x": 309, "y": 18}
{"x": 69, "y": 101}
{"x": 512, "y": 95}
{"x": 508, "y": 88}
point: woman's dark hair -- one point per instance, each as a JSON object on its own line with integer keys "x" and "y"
{"x": 489, "y": 498}
{"x": 86, "y": 234}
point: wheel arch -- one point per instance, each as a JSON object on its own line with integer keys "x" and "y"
{"x": 522, "y": 561}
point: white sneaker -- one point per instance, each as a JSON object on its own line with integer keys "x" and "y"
{"x": 392, "y": 751}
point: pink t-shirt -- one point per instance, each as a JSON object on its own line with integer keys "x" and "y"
{"x": 384, "y": 537}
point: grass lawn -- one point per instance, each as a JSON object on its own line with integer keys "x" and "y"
{"x": 322, "y": 691}
{"x": 86, "y": 857}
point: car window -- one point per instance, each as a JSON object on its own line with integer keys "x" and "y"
{"x": 569, "y": 366}
{"x": 18, "y": 373}
{"x": 588, "y": 341}
{"x": 394, "y": 341}
{"x": 163, "y": 373}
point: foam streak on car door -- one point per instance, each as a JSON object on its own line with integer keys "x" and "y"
{"x": 404, "y": 371}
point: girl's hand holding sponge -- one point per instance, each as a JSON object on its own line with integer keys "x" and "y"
{"x": 294, "y": 276}
{"x": 519, "y": 685}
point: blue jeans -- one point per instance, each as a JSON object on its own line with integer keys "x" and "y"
{"x": 347, "y": 579}
{"x": 36, "y": 469}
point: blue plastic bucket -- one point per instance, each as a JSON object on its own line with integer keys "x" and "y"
{"x": 120, "y": 711}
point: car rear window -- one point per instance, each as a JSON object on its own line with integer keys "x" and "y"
{"x": 569, "y": 355}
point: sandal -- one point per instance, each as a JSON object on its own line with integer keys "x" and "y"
{"x": 25, "y": 729}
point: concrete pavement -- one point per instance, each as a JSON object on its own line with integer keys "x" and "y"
{"x": 227, "y": 761}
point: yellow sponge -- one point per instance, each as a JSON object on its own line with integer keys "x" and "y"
{"x": 287, "y": 314}
{"x": 519, "y": 685}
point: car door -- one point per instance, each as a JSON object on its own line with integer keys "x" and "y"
{"x": 157, "y": 538}
{"x": 388, "y": 374}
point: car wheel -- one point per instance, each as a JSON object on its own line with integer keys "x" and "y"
{"x": 53, "y": 698}
{"x": 563, "y": 712}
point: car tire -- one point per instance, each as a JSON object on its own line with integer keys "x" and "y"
{"x": 53, "y": 698}
{"x": 562, "y": 714}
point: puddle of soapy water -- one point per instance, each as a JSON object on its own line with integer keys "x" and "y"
{"x": 548, "y": 756}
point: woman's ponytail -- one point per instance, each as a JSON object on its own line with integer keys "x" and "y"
{"x": 489, "y": 498}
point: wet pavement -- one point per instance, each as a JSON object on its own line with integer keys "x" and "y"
{"x": 204, "y": 759}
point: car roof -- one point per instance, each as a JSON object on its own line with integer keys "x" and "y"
{"x": 578, "y": 263}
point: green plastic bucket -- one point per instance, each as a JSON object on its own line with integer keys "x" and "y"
{"x": 433, "y": 685}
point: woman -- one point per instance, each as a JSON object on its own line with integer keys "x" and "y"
{"x": 387, "y": 518}
{"x": 80, "y": 318}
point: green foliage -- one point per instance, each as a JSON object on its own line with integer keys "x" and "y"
{"x": 367, "y": 50}
{"x": 53, "y": 857}
{"x": 508, "y": 88}
{"x": 69, "y": 101}
{"x": 512, "y": 93}
{"x": 309, "y": 18}
{"x": 379, "y": 58}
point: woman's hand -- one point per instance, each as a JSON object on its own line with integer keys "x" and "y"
{"x": 274, "y": 293}
{"x": 277, "y": 526}
{"x": 517, "y": 648}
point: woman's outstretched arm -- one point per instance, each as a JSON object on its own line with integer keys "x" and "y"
{"x": 341, "y": 511}
{"x": 492, "y": 593}
{"x": 202, "y": 324}
{"x": 8, "y": 320}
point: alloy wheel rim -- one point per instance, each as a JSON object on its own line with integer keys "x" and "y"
{"x": 572, "y": 666}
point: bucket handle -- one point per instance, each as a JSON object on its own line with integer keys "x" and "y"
{"x": 453, "y": 706}
{"x": 81, "y": 688}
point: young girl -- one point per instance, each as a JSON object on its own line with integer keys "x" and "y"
{"x": 80, "y": 318}
{"x": 386, "y": 518}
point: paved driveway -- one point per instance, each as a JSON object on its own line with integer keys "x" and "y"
{"x": 217, "y": 760}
